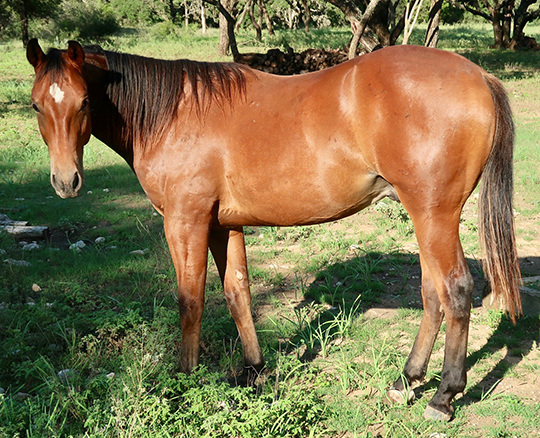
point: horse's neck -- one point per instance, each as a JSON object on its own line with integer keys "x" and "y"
{"x": 106, "y": 122}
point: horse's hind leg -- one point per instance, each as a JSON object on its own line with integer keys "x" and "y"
{"x": 448, "y": 286}
{"x": 417, "y": 363}
{"x": 229, "y": 251}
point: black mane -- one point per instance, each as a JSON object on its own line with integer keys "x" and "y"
{"x": 54, "y": 65}
{"x": 147, "y": 92}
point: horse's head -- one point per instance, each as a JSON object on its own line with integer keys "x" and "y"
{"x": 60, "y": 100}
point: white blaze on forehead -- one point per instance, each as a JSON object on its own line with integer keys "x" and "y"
{"x": 56, "y": 93}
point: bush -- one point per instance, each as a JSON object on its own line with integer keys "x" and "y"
{"x": 451, "y": 15}
{"x": 85, "y": 20}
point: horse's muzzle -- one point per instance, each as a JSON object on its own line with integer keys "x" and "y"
{"x": 67, "y": 187}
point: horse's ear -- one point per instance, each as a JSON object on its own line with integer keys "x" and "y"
{"x": 75, "y": 53}
{"x": 34, "y": 54}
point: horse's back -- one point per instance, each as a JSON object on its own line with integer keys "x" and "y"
{"x": 324, "y": 145}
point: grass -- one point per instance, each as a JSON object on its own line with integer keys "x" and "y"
{"x": 89, "y": 339}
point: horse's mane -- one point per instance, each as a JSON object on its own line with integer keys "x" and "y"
{"x": 147, "y": 92}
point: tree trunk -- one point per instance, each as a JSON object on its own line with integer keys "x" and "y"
{"x": 203, "y": 18}
{"x": 507, "y": 11}
{"x": 223, "y": 45}
{"x": 186, "y": 12}
{"x": 411, "y": 18}
{"x": 307, "y": 15}
{"x": 243, "y": 15}
{"x": 226, "y": 27}
{"x": 497, "y": 31}
{"x": 267, "y": 18}
{"x": 258, "y": 28}
{"x": 362, "y": 27}
{"x": 24, "y": 26}
{"x": 521, "y": 18}
{"x": 172, "y": 11}
{"x": 432, "y": 32}
{"x": 260, "y": 18}
{"x": 379, "y": 23}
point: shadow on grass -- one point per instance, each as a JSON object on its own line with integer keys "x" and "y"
{"x": 392, "y": 281}
{"x": 505, "y": 64}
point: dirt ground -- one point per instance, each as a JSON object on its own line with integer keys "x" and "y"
{"x": 487, "y": 358}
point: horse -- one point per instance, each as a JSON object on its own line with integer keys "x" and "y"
{"x": 219, "y": 146}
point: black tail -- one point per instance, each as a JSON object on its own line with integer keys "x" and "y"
{"x": 496, "y": 215}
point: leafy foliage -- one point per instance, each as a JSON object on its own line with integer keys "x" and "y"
{"x": 85, "y": 20}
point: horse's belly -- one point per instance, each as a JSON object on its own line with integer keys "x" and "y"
{"x": 303, "y": 204}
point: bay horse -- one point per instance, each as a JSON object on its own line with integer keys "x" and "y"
{"x": 218, "y": 146}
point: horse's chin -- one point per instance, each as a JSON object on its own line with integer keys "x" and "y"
{"x": 67, "y": 195}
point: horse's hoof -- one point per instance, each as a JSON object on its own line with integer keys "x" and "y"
{"x": 434, "y": 414}
{"x": 398, "y": 397}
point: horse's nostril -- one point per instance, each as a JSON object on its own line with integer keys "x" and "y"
{"x": 76, "y": 180}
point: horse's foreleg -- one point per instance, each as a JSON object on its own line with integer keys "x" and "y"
{"x": 229, "y": 253}
{"x": 188, "y": 243}
{"x": 417, "y": 363}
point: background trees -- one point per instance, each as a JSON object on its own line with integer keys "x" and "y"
{"x": 373, "y": 23}
{"x": 508, "y": 18}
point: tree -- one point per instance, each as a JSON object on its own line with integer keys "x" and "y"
{"x": 28, "y": 9}
{"x": 432, "y": 32}
{"x": 508, "y": 21}
{"x": 382, "y": 26}
{"x": 227, "y": 22}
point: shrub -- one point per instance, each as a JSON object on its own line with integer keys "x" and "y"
{"x": 85, "y": 20}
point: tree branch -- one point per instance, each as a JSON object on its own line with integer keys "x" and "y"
{"x": 362, "y": 27}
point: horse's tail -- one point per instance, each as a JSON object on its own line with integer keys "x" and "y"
{"x": 495, "y": 211}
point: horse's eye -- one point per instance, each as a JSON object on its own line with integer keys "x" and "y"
{"x": 36, "y": 108}
{"x": 84, "y": 104}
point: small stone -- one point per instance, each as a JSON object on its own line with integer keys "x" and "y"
{"x": 19, "y": 199}
{"x": 139, "y": 252}
{"x": 49, "y": 305}
{"x": 2, "y": 390}
{"x": 77, "y": 246}
{"x": 106, "y": 190}
{"x": 20, "y": 263}
{"x": 111, "y": 376}
{"x": 36, "y": 288}
{"x": 89, "y": 192}
{"x": 30, "y": 246}
{"x": 21, "y": 396}
{"x": 99, "y": 240}
{"x": 67, "y": 374}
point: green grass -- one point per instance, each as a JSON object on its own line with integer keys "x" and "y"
{"x": 89, "y": 340}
